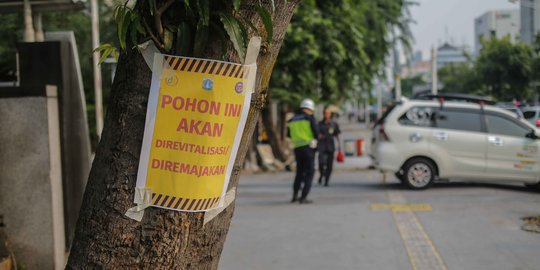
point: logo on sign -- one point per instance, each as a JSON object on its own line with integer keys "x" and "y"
{"x": 208, "y": 84}
{"x": 239, "y": 87}
{"x": 171, "y": 80}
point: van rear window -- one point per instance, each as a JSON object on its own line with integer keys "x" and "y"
{"x": 418, "y": 116}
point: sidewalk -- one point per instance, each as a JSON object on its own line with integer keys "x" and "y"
{"x": 353, "y": 163}
{"x": 354, "y": 131}
{"x": 469, "y": 226}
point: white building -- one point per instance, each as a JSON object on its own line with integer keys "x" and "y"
{"x": 449, "y": 54}
{"x": 530, "y": 20}
{"x": 498, "y": 24}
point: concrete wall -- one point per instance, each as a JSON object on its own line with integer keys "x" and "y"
{"x": 74, "y": 127}
{"x": 30, "y": 180}
{"x": 56, "y": 63}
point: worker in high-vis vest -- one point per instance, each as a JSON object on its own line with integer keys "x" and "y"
{"x": 303, "y": 131}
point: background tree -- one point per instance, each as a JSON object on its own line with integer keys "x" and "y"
{"x": 331, "y": 42}
{"x": 407, "y": 85}
{"x": 79, "y": 23}
{"x": 460, "y": 78}
{"x": 165, "y": 239}
{"x": 333, "y": 49}
{"x": 10, "y": 33}
{"x": 505, "y": 69}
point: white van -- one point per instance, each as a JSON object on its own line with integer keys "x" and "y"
{"x": 423, "y": 141}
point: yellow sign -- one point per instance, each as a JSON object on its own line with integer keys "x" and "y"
{"x": 196, "y": 115}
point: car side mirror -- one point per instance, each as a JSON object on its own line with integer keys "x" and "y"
{"x": 532, "y": 135}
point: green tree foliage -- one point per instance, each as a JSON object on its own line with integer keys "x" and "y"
{"x": 505, "y": 68}
{"x": 407, "y": 84}
{"x": 504, "y": 71}
{"x": 184, "y": 27}
{"x": 79, "y": 23}
{"x": 536, "y": 61}
{"x": 330, "y": 43}
{"x": 460, "y": 78}
{"x": 10, "y": 33}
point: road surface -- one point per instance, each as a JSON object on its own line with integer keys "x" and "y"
{"x": 359, "y": 222}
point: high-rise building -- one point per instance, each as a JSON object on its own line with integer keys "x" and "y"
{"x": 530, "y": 20}
{"x": 450, "y": 54}
{"x": 496, "y": 24}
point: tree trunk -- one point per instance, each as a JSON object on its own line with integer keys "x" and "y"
{"x": 165, "y": 239}
{"x": 270, "y": 128}
{"x": 6, "y": 260}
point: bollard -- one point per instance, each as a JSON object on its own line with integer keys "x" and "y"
{"x": 349, "y": 148}
{"x": 360, "y": 147}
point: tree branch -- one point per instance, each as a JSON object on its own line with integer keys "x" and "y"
{"x": 164, "y": 7}
{"x": 157, "y": 17}
{"x": 152, "y": 36}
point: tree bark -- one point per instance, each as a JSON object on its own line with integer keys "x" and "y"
{"x": 105, "y": 238}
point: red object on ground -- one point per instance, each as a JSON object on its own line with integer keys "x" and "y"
{"x": 340, "y": 156}
{"x": 360, "y": 147}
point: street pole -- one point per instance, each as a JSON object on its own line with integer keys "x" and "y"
{"x": 40, "y": 37}
{"x": 97, "y": 70}
{"x": 434, "y": 78}
{"x": 379, "y": 102}
{"x": 29, "y": 35}
{"x": 535, "y": 94}
{"x": 367, "y": 113}
{"x": 397, "y": 78}
{"x": 398, "y": 87}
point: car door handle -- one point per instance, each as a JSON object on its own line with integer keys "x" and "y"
{"x": 441, "y": 136}
{"x": 495, "y": 141}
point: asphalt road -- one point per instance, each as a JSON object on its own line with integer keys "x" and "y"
{"x": 359, "y": 222}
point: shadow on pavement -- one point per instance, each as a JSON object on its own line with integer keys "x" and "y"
{"x": 485, "y": 185}
{"x": 440, "y": 186}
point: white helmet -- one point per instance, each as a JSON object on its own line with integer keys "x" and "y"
{"x": 307, "y": 104}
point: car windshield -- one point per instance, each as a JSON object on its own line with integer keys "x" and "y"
{"x": 529, "y": 114}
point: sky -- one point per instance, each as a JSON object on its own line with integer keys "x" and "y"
{"x": 435, "y": 18}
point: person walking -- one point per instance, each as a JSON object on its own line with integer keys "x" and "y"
{"x": 302, "y": 129}
{"x": 328, "y": 130}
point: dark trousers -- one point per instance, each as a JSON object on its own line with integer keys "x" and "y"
{"x": 326, "y": 161}
{"x": 305, "y": 169}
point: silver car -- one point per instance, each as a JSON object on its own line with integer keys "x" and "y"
{"x": 532, "y": 114}
{"x": 423, "y": 141}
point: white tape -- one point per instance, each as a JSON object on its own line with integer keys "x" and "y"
{"x": 143, "y": 199}
{"x": 253, "y": 48}
{"x": 251, "y": 62}
{"x": 148, "y": 49}
{"x": 224, "y": 202}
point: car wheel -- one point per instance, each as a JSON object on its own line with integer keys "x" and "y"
{"x": 418, "y": 173}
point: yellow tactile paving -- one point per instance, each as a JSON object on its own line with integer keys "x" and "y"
{"x": 421, "y": 251}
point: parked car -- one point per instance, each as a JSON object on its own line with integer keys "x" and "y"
{"x": 532, "y": 114}
{"x": 511, "y": 107}
{"x": 424, "y": 141}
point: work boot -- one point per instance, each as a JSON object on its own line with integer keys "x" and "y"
{"x": 305, "y": 201}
